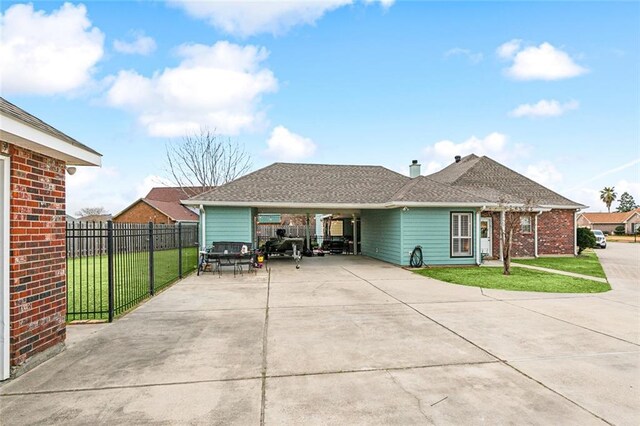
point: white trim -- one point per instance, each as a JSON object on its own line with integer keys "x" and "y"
{"x": 501, "y": 235}
{"x": 203, "y": 223}
{"x": 562, "y": 207}
{"x": 326, "y": 206}
{"x": 4, "y": 279}
{"x": 20, "y": 134}
{"x": 478, "y": 240}
{"x": 575, "y": 233}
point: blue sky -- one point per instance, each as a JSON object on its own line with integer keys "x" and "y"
{"x": 548, "y": 89}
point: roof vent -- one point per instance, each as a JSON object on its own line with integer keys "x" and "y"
{"x": 458, "y": 158}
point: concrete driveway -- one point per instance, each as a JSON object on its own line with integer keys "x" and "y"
{"x": 348, "y": 340}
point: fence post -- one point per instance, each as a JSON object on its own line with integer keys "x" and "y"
{"x": 151, "y": 278}
{"x": 110, "y": 285}
{"x": 179, "y": 249}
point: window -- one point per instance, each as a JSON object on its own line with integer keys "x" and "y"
{"x": 525, "y": 224}
{"x": 461, "y": 234}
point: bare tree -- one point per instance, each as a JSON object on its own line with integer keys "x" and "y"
{"x": 513, "y": 219}
{"x": 91, "y": 211}
{"x": 206, "y": 159}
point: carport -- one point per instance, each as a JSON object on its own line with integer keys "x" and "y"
{"x": 391, "y": 213}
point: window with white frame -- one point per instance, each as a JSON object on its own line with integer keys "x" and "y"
{"x": 525, "y": 224}
{"x": 461, "y": 234}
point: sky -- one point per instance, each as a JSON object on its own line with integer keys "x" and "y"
{"x": 550, "y": 89}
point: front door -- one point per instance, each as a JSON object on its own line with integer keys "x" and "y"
{"x": 485, "y": 237}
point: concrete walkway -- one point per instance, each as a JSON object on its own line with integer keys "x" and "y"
{"x": 348, "y": 340}
{"x": 498, "y": 264}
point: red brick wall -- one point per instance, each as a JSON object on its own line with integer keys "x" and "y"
{"x": 37, "y": 286}
{"x": 556, "y": 232}
{"x": 142, "y": 212}
{"x": 555, "y": 235}
{"x": 523, "y": 244}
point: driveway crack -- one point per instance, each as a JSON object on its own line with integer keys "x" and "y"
{"x": 265, "y": 336}
{"x": 411, "y": 394}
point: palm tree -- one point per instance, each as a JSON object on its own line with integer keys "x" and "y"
{"x": 608, "y": 196}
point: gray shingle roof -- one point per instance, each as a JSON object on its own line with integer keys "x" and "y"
{"x": 21, "y": 115}
{"x": 474, "y": 180}
{"x": 498, "y": 183}
{"x": 311, "y": 183}
{"x": 424, "y": 189}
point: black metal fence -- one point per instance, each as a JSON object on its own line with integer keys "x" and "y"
{"x": 111, "y": 267}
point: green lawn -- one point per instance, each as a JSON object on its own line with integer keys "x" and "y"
{"x": 586, "y": 264}
{"x": 87, "y": 280}
{"x": 520, "y": 280}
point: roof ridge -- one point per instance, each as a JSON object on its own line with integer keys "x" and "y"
{"x": 457, "y": 189}
{"x": 405, "y": 188}
{"x": 524, "y": 177}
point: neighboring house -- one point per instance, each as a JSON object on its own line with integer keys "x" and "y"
{"x": 454, "y": 215}
{"x": 161, "y": 205}
{"x": 70, "y": 218}
{"x": 33, "y": 160}
{"x": 608, "y": 222}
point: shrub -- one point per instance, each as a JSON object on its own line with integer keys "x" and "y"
{"x": 620, "y": 230}
{"x": 586, "y": 239}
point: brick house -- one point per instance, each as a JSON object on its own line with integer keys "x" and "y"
{"x": 161, "y": 205}
{"x": 608, "y": 222}
{"x": 33, "y": 159}
{"x": 454, "y": 216}
{"x": 548, "y": 229}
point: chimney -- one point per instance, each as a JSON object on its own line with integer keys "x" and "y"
{"x": 458, "y": 158}
{"x": 414, "y": 169}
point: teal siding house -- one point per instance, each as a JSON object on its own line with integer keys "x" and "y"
{"x": 454, "y": 215}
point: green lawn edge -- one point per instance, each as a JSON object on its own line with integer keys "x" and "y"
{"x": 586, "y": 263}
{"x": 521, "y": 279}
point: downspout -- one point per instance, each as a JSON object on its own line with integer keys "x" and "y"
{"x": 575, "y": 233}
{"x": 502, "y": 231}
{"x": 355, "y": 235}
{"x": 203, "y": 224}
{"x": 535, "y": 235}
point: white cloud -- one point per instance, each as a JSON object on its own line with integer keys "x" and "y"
{"x": 544, "y": 108}
{"x": 266, "y": 16}
{"x": 140, "y": 45}
{"x": 45, "y": 54}
{"x": 473, "y": 57}
{"x": 494, "y": 145}
{"x": 288, "y": 146}
{"x": 508, "y": 49}
{"x": 544, "y": 62}
{"x": 218, "y": 87}
{"x": 545, "y": 173}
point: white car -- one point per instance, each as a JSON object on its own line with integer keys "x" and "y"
{"x": 601, "y": 239}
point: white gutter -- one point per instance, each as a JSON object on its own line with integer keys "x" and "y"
{"x": 535, "y": 234}
{"x": 561, "y": 207}
{"x": 326, "y": 206}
